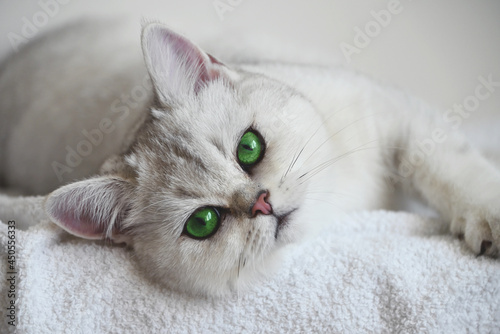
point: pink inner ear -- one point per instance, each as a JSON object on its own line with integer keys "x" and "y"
{"x": 177, "y": 65}
{"x": 195, "y": 59}
{"x": 83, "y": 226}
{"x": 89, "y": 208}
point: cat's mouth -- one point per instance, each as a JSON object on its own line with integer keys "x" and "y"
{"x": 282, "y": 221}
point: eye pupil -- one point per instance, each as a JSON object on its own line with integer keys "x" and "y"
{"x": 202, "y": 223}
{"x": 250, "y": 149}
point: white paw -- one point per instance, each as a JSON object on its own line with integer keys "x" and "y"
{"x": 480, "y": 230}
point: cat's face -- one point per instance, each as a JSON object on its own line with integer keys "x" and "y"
{"x": 215, "y": 182}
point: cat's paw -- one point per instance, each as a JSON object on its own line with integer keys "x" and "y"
{"x": 480, "y": 230}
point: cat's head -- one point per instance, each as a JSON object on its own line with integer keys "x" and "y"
{"x": 215, "y": 182}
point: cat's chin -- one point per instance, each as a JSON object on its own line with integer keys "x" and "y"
{"x": 252, "y": 277}
{"x": 289, "y": 233}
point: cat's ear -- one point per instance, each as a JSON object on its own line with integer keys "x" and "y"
{"x": 177, "y": 67}
{"x": 93, "y": 208}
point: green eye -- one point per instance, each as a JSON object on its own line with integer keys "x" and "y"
{"x": 250, "y": 149}
{"x": 203, "y": 223}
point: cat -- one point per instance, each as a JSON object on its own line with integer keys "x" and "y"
{"x": 215, "y": 167}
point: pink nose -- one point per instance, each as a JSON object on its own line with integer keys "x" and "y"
{"x": 262, "y": 205}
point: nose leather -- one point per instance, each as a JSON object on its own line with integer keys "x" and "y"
{"x": 261, "y": 205}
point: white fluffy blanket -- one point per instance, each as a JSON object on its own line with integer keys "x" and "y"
{"x": 372, "y": 272}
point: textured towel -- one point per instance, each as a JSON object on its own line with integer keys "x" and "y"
{"x": 370, "y": 272}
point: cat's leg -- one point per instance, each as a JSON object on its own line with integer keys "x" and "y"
{"x": 451, "y": 175}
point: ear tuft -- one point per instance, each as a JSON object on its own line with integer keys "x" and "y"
{"x": 177, "y": 67}
{"x": 91, "y": 209}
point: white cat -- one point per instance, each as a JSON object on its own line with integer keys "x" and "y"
{"x": 209, "y": 169}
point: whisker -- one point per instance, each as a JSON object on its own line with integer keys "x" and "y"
{"x": 325, "y": 121}
{"x": 339, "y": 131}
{"x": 324, "y": 201}
{"x": 329, "y": 162}
{"x": 296, "y": 157}
{"x": 336, "y": 194}
{"x": 290, "y": 166}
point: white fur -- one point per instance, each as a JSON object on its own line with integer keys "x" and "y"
{"x": 335, "y": 141}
